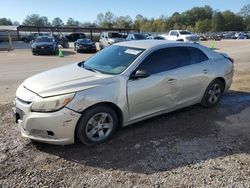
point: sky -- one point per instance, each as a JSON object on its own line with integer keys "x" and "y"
{"x": 87, "y": 10}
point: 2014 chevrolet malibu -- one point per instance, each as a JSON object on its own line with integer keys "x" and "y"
{"x": 120, "y": 85}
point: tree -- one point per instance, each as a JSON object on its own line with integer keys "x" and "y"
{"x": 16, "y": 23}
{"x": 139, "y": 20}
{"x": 203, "y": 26}
{"x": 247, "y": 23}
{"x": 233, "y": 22}
{"x": 57, "y": 22}
{"x": 72, "y": 22}
{"x": 106, "y": 20}
{"x": 123, "y": 22}
{"x": 36, "y": 20}
{"x": 45, "y": 21}
{"x": 5, "y": 21}
{"x": 218, "y": 22}
{"x": 245, "y": 11}
{"x": 197, "y": 13}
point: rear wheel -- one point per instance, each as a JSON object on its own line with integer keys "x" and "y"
{"x": 213, "y": 93}
{"x": 97, "y": 125}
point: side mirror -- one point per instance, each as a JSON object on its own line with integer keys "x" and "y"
{"x": 139, "y": 74}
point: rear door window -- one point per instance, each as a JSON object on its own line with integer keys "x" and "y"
{"x": 171, "y": 58}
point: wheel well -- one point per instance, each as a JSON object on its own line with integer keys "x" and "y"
{"x": 117, "y": 110}
{"x": 223, "y": 82}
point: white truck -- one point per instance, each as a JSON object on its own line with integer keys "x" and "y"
{"x": 181, "y": 35}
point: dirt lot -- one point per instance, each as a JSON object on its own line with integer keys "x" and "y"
{"x": 193, "y": 147}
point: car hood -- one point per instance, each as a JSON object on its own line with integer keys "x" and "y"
{"x": 66, "y": 79}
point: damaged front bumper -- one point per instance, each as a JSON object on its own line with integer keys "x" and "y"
{"x": 52, "y": 127}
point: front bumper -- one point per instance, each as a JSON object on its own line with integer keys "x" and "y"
{"x": 47, "y": 50}
{"x": 53, "y": 128}
{"x": 86, "y": 48}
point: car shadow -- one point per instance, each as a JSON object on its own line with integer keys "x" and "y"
{"x": 188, "y": 136}
{"x": 68, "y": 53}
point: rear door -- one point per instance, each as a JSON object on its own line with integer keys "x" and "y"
{"x": 193, "y": 74}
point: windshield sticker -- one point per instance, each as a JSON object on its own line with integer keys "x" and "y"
{"x": 133, "y": 52}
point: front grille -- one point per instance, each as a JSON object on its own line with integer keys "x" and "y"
{"x": 42, "y": 47}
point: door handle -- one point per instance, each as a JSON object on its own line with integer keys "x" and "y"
{"x": 172, "y": 80}
{"x": 205, "y": 71}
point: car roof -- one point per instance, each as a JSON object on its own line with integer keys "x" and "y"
{"x": 147, "y": 44}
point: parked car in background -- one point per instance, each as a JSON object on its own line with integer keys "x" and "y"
{"x": 75, "y": 36}
{"x": 82, "y": 45}
{"x": 155, "y": 38}
{"x": 241, "y": 35}
{"x": 214, "y": 36}
{"x": 181, "y": 35}
{"x": 123, "y": 84}
{"x": 61, "y": 40}
{"x": 109, "y": 38}
{"x": 44, "y": 45}
{"x": 203, "y": 38}
{"x": 136, "y": 36}
{"x": 32, "y": 36}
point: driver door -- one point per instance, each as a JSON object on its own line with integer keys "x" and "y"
{"x": 158, "y": 91}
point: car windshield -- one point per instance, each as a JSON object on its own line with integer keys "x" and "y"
{"x": 44, "y": 39}
{"x": 112, "y": 60}
{"x": 115, "y": 35}
{"x": 185, "y": 33}
{"x": 139, "y": 37}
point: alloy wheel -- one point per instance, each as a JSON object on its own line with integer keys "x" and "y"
{"x": 99, "y": 126}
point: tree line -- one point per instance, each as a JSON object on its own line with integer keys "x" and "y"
{"x": 197, "y": 19}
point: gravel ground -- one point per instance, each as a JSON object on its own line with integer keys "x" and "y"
{"x": 193, "y": 147}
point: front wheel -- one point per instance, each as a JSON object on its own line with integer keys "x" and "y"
{"x": 97, "y": 125}
{"x": 213, "y": 93}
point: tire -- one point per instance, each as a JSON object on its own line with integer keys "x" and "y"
{"x": 97, "y": 125}
{"x": 213, "y": 94}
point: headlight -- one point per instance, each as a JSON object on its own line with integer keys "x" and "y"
{"x": 51, "y": 104}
